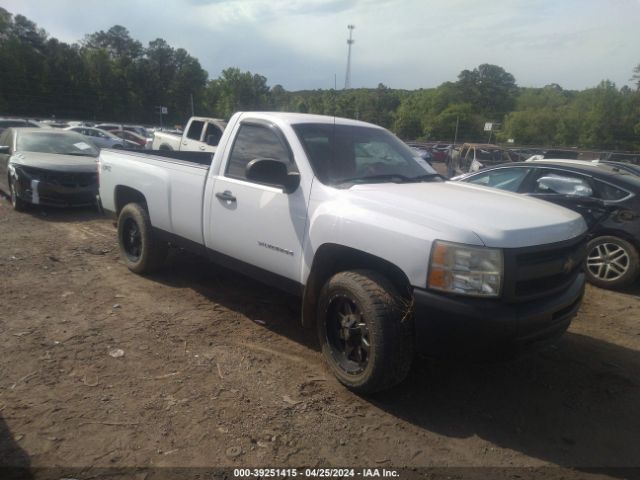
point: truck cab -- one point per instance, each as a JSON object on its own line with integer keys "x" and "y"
{"x": 200, "y": 134}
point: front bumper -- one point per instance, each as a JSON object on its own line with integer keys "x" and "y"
{"x": 55, "y": 193}
{"x": 447, "y": 325}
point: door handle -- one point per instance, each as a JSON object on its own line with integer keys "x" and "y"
{"x": 227, "y": 196}
{"x": 202, "y": 147}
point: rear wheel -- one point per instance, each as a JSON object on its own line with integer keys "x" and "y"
{"x": 365, "y": 330}
{"x": 141, "y": 251}
{"x": 611, "y": 262}
{"x": 17, "y": 203}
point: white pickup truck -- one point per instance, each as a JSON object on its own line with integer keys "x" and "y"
{"x": 200, "y": 134}
{"x": 387, "y": 257}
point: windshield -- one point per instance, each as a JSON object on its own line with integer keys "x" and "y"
{"x": 347, "y": 154}
{"x": 63, "y": 143}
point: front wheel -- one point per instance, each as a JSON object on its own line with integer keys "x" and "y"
{"x": 611, "y": 262}
{"x": 141, "y": 251}
{"x": 365, "y": 330}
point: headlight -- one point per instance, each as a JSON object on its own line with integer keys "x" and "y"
{"x": 466, "y": 270}
{"x": 29, "y": 173}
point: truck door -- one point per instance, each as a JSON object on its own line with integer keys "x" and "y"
{"x": 254, "y": 223}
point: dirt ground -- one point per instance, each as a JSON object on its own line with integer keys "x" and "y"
{"x": 216, "y": 371}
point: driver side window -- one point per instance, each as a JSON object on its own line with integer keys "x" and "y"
{"x": 255, "y": 141}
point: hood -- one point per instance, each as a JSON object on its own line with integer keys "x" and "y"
{"x": 498, "y": 218}
{"x": 55, "y": 162}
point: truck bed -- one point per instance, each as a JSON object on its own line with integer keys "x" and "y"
{"x": 201, "y": 158}
{"x": 171, "y": 181}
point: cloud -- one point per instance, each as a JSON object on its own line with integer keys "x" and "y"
{"x": 402, "y": 43}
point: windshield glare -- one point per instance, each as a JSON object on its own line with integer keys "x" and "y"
{"x": 347, "y": 154}
{"x": 63, "y": 143}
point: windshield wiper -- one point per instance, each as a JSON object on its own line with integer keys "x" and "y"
{"x": 373, "y": 178}
{"x": 394, "y": 177}
{"x": 422, "y": 178}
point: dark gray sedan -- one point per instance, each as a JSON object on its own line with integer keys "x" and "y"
{"x": 607, "y": 196}
{"x": 48, "y": 167}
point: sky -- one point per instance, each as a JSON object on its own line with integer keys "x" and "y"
{"x": 406, "y": 44}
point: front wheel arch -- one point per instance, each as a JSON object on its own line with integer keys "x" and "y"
{"x": 332, "y": 258}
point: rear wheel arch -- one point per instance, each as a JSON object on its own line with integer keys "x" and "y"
{"x": 333, "y": 258}
{"x": 124, "y": 195}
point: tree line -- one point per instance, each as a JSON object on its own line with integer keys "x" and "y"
{"x": 110, "y": 76}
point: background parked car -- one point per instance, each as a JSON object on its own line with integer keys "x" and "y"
{"x": 134, "y": 138}
{"x": 627, "y": 167}
{"x": 103, "y": 138}
{"x": 139, "y": 131}
{"x": 606, "y": 196}
{"x": 47, "y": 167}
{"x": 17, "y": 122}
{"x": 440, "y": 152}
{"x": 471, "y": 157}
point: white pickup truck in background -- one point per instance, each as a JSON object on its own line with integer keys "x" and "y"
{"x": 388, "y": 258}
{"x": 200, "y": 134}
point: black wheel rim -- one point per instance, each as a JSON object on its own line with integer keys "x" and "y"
{"x": 131, "y": 240}
{"x": 348, "y": 335}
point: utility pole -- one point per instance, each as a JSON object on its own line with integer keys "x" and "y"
{"x": 350, "y": 41}
{"x": 455, "y": 135}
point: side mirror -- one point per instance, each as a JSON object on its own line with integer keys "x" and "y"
{"x": 272, "y": 172}
{"x": 5, "y": 149}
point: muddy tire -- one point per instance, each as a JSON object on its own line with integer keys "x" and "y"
{"x": 365, "y": 331}
{"x": 141, "y": 251}
{"x": 611, "y": 262}
{"x": 17, "y": 203}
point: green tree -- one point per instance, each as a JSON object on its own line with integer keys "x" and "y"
{"x": 236, "y": 91}
{"x": 636, "y": 76}
{"x": 489, "y": 88}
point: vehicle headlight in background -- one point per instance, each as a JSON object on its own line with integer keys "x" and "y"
{"x": 465, "y": 269}
{"x": 28, "y": 173}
